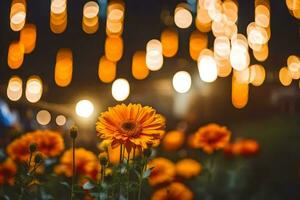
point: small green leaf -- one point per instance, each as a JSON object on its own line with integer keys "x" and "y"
{"x": 65, "y": 184}
{"x": 88, "y": 185}
{"x": 147, "y": 173}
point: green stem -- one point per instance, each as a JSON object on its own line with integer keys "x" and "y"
{"x": 73, "y": 168}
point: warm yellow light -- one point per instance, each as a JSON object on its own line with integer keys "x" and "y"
{"x": 120, "y": 89}
{"x": 262, "y": 54}
{"x": 239, "y": 93}
{"x": 257, "y": 36}
{"x": 262, "y": 16}
{"x": 222, "y": 47}
{"x": 230, "y": 11}
{"x": 182, "y": 81}
{"x": 285, "y": 76}
{"x": 198, "y": 42}
{"x": 139, "y": 68}
{"x": 293, "y": 62}
{"x": 183, "y": 17}
{"x": 115, "y": 18}
{"x": 60, "y": 120}
{"x": 154, "y": 57}
{"x": 242, "y": 77}
{"x": 43, "y": 117}
{"x": 84, "y": 108}
{"x": 257, "y": 74}
{"x": 58, "y": 16}
{"x": 107, "y": 70}
{"x": 15, "y": 55}
{"x": 63, "y": 67}
{"x": 207, "y": 66}
{"x": 169, "y": 41}
{"x": 239, "y": 55}
{"x": 114, "y": 48}
{"x": 28, "y": 37}
{"x": 17, "y": 14}
{"x": 34, "y": 89}
{"x": 203, "y": 20}
{"x": 14, "y": 88}
{"x": 90, "y": 17}
{"x": 224, "y": 67}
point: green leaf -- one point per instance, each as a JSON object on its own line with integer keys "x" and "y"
{"x": 88, "y": 185}
{"x": 147, "y": 173}
{"x": 65, "y": 184}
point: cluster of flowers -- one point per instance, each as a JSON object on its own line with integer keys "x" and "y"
{"x": 126, "y": 131}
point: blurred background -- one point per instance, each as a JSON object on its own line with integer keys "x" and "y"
{"x": 271, "y": 116}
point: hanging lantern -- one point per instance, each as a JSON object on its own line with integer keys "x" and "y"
{"x": 63, "y": 67}
{"x": 239, "y": 55}
{"x": 114, "y": 48}
{"x": 90, "y": 17}
{"x": 285, "y": 76}
{"x": 58, "y": 16}
{"x": 28, "y": 37}
{"x": 222, "y": 47}
{"x": 183, "y": 17}
{"x": 169, "y": 41}
{"x": 257, "y": 75}
{"x": 154, "y": 57}
{"x": 17, "y": 14}
{"x": 182, "y": 81}
{"x": 262, "y": 13}
{"x": 115, "y": 18}
{"x": 203, "y": 20}
{"x": 107, "y": 70}
{"x": 224, "y": 67}
{"x": 262, "y": 54}
{"x": 207, "y": 66}
{"x": 198, "y": 42}
{"x": 34, "y": 89}
{"x": 139, "y": 68}
{"x": 15, "y": 55}
{"x": 293, "y": 62}
{"x": 239, "y": 93}
{"x": 14, "y": 88}
{"x": 120, "y": 89}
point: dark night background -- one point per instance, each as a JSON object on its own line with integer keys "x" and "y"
{"x": 272, "y": 115}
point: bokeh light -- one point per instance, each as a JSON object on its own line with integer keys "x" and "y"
{"x": 43, "y": 117}
{"x": 182, "y": 81}
{"x": 84, "y": 108}
{"x": 120, "y": 89}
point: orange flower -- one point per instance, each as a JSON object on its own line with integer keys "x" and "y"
{"x": 173, "y": 140}
{"x": 86, "y": 163}
{"x": 175, "y": 191}
{"x": 49, "y": 143}
{"x": 212, "y": 137}
{"x": 163, "y": 171}
{"x": 133, "y": 126}
{"x": 8, "y": 170}
{"x": 188, "y": 168}
{"x": 244, "y": 147}
{"x": 191, "y": 141}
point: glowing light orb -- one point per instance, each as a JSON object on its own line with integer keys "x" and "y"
{"x": 84, "y": 108}
{"x": 182, "y": 81}
{"x": 120, "y": 89}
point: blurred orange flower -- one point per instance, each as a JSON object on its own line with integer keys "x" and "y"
{"x": 163, "y": 171}
{"x": 86, "y": 163}
{"x": 49, "y": 143}
{"x": 133, "y": 126}
{"x": 8, "y": 170}
{"x": 188, "y": 168}
{"x": 191, "y": 141}
{"x": 212, "y": 137}
{"x": 244, "y": 147}
{"x": 173, "y": 140}
{"x": 175, "y": 191}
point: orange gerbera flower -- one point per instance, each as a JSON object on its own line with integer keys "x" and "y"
{"x": 212, "y": 137}
{"x": 133, "y": 126}
{"x": 8, "y": 170}
{"x": 188, "y": 168}
{"x": 163, "y": 171}
{"x": 244, "y": 147}
{"x": 173, "y": 140}
{"x": 49, "y": 143}
{"x": 175, "y": 191}
{"x": 86, "y": 163}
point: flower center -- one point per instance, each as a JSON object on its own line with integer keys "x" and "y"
{"x": 131, "y": 128}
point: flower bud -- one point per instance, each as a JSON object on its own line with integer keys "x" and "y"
{"x": 32, "y": 147}
{"x": 103, "y": 158}
{"x": 74, "y": 132}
